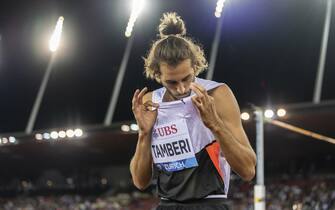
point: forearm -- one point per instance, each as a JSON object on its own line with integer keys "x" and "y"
{"x": 240, "y": 157}
{"x": 141, "y": 164}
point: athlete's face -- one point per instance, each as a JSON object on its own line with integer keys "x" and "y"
{"x": 177, "y": 79}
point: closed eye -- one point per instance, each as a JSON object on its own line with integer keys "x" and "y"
{"x": 171, "y": 82}
{"x": 187, "y": 78}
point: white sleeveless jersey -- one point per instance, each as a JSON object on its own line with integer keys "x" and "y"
{"x": 183, "y": 146}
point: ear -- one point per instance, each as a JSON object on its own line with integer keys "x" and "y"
{"x": 194, "y": 73}
{"x": 157, "y": 76}
{"x": 193, "y": 68}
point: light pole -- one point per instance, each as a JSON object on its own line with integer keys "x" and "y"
{"x": 137, "y": 7}
{"x": 53, "y": 46}
{"x": 323, "y": 54}
{"x": 259, "y": 188}
{"x": 216, "y": 41}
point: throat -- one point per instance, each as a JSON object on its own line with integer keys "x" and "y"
{"x": 168, "y": 97}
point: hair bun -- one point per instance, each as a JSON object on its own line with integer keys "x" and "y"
{"x": 171, "y": 24}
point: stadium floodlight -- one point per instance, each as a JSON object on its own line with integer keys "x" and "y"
{"x": 69, "y": 181}
{"x": 297, "y": 206}
{"x": 70, "y": 133}
{"x": 54, "y": 135}
{"x": 134, "y": 127}
{"x": 12, "y": 139}
{"x": 219, "y": 8}
{"x": 46, "y": 136}
{"x": 127, "y": 33}
{"x": 125, "y": 128}
{"x": 104, "y": 181}
{"x": 24, "y": 184}
{"x": 281, "y": 112}
{"x": 0, "y": 140}
{"x": 217, "y": 14}
{"x": 49, "y": 183}
{"x": 55, "y": 38}
{"x": 137, "y": 7}
{"x": 38, "y": 136}
{"x": 245, "y": 116}
{"x": 78, "y": 132}
{"x": 62, "y": 134}
{"x": 4, "y": 140}
{"x": 268, "y": 113}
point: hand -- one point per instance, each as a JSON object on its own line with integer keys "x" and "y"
{"x": 205, "y": 105}
{"x": 145, "y": 114}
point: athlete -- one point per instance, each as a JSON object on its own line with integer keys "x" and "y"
{"x": 190, "y": 131}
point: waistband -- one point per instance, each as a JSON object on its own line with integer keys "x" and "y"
{"x": 210, "y": 199}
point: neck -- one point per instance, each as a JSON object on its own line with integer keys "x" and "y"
{"x": 169, "y": 97}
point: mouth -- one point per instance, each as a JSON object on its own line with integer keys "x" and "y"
{"x": 183, "y": 96}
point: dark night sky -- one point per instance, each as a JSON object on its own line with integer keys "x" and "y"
{"x": 268, "y": 54}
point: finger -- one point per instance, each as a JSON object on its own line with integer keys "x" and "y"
{"x": 211, "y": 98}
{"x": 199, "y": 87}
{"x": 134, "y": 100}
{"x": 197, "y": 103}
{"x": 198, "y": 92}
{"x": 143, "y": 91}
{"x": 150, "y": 103}
{"x": 151, "y": 109}
{"x": 151, "y": 106}
{"x": 141, "y": 94}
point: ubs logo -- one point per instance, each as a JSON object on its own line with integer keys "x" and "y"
{"x": 165, "y": 131}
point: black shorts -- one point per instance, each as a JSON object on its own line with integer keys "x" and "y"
{"x": 204, "y": 204}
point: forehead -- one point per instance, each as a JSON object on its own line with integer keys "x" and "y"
{"x": 179, "y": 71}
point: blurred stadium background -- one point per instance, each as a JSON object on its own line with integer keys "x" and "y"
{"x": 75, "y": 152}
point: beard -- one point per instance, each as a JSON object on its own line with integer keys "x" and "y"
{"x": 178, "y": 97}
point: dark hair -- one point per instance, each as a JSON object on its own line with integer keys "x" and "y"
{"x": 173, "y": 47}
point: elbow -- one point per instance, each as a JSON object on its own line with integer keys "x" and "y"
{"x": 141, "y": 181}
{"x": 246, "y": 174}
{"x": 249, "y": 174}
{"x": 141, "y": 185}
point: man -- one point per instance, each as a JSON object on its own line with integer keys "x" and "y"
{"x": 190, "y": 132}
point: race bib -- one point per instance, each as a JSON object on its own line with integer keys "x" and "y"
{"x": 171, "y": 147}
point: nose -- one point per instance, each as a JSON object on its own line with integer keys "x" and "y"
{"x": 181, "y": 89}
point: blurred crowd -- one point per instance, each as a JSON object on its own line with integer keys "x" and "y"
{"x": 314, "y": 193}
{"x": 124, "y": 201}
{"x": 282, "y": 193}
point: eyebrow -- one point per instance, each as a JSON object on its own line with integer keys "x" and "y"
{"x": 185, "y": 78}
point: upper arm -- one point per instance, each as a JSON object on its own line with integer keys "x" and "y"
{"x": 229, "y": 112}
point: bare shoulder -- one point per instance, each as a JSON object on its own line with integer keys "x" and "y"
{"x": 147, "y": 97}
{"x": 226, "y": 102}
{"x": 221, "y": 92}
